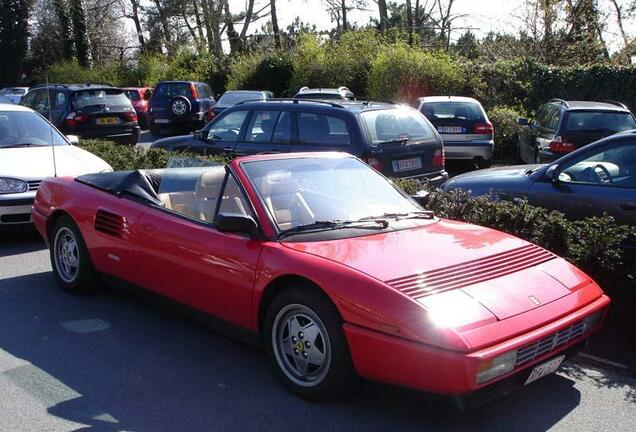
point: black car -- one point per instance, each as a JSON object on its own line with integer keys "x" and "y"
{"x": 86, "y": 110}
{"x": 597, "y": 178}
{"x": 561, "y": 127}
{"x": 232, "y": 97}
{"x": 341, "y": 93}
{"x": 394, "y": 139}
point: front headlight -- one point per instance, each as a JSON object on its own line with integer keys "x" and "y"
{"x": 497, "y": 366}
{"x": 8, "y": 186}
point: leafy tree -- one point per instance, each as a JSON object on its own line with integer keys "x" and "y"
{"x": 14, "y": 25}
{"x": 80, "y": 33}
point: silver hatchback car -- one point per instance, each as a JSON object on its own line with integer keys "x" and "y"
{"x": 463, "y": 125}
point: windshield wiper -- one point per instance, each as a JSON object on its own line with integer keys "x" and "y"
{"x": 424, "y": 214}
{"x": 394, "y": 141}
{"x": 23, "y": 145}
{"x": 336, "y": 224}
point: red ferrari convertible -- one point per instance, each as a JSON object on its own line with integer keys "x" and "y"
{"x": 339, "y": 272}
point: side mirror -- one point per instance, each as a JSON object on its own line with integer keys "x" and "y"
{"x": 147, "y": 95}
{"x": 236, "y": 223}
{"x": 552, "y": 173}
{"x": 524, "y": 122}
{"x": 199, "y": 134}
{"x": 73, "y": 139}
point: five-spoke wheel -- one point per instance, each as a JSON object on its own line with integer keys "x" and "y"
{"x": 66, "y": 254}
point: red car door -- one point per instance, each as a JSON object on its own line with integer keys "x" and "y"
{"x": 183, "y": 257}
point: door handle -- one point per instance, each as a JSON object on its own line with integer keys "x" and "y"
{"x": 628, "y": 205}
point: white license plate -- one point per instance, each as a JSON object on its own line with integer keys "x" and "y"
{"x": 407, "y": 164}
{"x": 162, "y": 120}
{"x": 544, "y": 369}
{"x": 450, "y": 129}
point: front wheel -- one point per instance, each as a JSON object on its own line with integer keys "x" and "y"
{"x": 305, "y": 341}
{"x": 70, "y": 260}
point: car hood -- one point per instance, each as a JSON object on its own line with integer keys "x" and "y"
{"x": 510, "y": 179}
{"x": 36, "y": 163}
{"x": 170, "y": 142}
{"x": 448, "y": 265}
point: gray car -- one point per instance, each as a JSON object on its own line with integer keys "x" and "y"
{"x": 463, "y": 125}
{"x": 597, "y": 178}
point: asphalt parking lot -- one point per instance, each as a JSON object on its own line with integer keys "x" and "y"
{"x": 117, "y": 361}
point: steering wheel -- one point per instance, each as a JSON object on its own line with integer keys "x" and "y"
{"x": 603, "y": 174}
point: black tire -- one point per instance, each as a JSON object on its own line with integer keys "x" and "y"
{"x": 180, "y": 107}
{"x": 327, "y": 382}
{"x": 85, "y": 279}
{"x": 483, "y": 163}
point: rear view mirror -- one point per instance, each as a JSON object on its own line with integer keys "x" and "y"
{"x": 73, "y": 139}
{"x": 523, "y": 122}
{"x": 236, "y": 223}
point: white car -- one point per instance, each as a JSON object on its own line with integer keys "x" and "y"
{"x": 14, "y": 94}
{"x": 27, "y": 143}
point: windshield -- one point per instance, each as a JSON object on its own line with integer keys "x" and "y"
{"x": 229, "y": 99}
{"x": 12, "y": 91}
{"x": 25, "y": 129}
{"x": 308, "y": 190}
{"x": 133, "y": 95}
{"x": 397, "y": 124}
{"x": 86, "y": 98}
{"x": 452, "y": 111}
{"x": 600, "y": 121}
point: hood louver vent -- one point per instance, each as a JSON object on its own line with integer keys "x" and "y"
{"x": 471, "y": 272}
{"x": 111, "y": 224}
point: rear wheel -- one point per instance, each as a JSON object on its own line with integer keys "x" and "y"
{"x": 71, "y": 263}
{"x": 304, "y": 339}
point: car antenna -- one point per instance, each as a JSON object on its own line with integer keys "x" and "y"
{"x": 48, "y": 98}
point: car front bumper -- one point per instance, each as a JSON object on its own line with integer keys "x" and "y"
{"x": 385, "y": 358}
{"x": 468, "y": 150}
{"x": 15, "y": 209}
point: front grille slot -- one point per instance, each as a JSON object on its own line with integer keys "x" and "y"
{"x": 550, "y": 343}
{"x": 34, "y": 185}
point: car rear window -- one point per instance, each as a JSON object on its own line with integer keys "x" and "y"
{"x": 452, "y": 111}
{"x": 86, "y": 98}
{"x": 174, "y": 89}
{"x": 397, "y": 124}
{"x": 599, "y": 121}
{"x": 133, "y": 95}
{"x": 229, "y": 99}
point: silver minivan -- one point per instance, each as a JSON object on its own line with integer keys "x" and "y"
{"x": 463, "y": 125}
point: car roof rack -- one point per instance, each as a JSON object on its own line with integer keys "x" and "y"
{"x": 303, "y": 89}
{"x": 617, "y": 103}
{"x": 368, "y": 102}
{"x": 292, "y": 100}
{"x": 560, "y": 101}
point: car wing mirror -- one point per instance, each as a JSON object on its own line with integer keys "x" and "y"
{"x": 200, "y": 134}
{"x": 236, "y": 223}
{"x": 73, "y": 139}
{"x": 147, "y": 95}
{"x": 552, "y": 173}
{"x": 523, "y": 122}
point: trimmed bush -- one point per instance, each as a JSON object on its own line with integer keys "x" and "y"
{"x": 270, "y": 71}
{"x": 505, "y": 121}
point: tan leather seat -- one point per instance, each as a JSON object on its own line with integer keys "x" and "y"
{"x": 207, "y": 193}
{"x": 285, "y": 202}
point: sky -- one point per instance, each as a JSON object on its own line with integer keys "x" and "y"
{"x": 482, "y": 16}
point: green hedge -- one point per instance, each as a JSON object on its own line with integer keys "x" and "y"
{"x": 506, "y": 123}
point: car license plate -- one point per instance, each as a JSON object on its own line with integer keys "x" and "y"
{"x": 107, "y": 120}
{"x": 407, "y": 164}
{"x": 544, "y": 369}
{"x": 162, "y": 120}
{"x": 450, "y": 129}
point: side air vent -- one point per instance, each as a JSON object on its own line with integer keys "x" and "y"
{"x": 111, "y": 224}
{"x": 471, "y": 272}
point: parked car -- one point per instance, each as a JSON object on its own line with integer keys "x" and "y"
{"x": 26, "y": 157}
{"x": 394, "y": 139}
{"x": 86, "y": 110}
{"x": 14, "y": 94}
{"x": 335, "y": 281}
{"x": 341, "y": 93}
{"x": 561, "y": 127}
{"x": 597, "y": 178}
{"x": 184, "y": 105}
{"x": 140, "y": 97}
{"x": 232, "y": 97}
{"x": 464, "y": 127}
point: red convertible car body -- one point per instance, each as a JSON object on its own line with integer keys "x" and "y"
{"x": 419, "y": 301}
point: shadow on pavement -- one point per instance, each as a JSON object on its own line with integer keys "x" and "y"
{"x": 15, "y": 241}
{"x": 150, "y": 369}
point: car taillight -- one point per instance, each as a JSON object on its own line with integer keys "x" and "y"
{"x": 193, "y": 89}
{"x": 73, "y": 119}
{"x": 374, "y": 163}
{"x": 558, "y": 145}
{"x": 484, "y": 129}
{"x": 130, "y": 116}
{"x": 439, "y": 158}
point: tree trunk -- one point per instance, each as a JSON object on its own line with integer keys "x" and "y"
{"x": 197, "y": 17}
{"x": 165, "y": 27}
{"x": 275, "y": 28}
{"x": 80, "y": 33}
{"x": 248, "y": 19}
{"x": 207, "y": 22}
{"x": 619, "y": 21}
{"x": 384, "y": 15}
{"x": 215, "y": 23}
{"x": 343, "y": 6}
{"x": 137, "y": 21}
{"x": 232, "y": 35}
{"x": 409, "y": 21}
{"x": 14, "y": 21}
{"x": 63, "y": 15}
